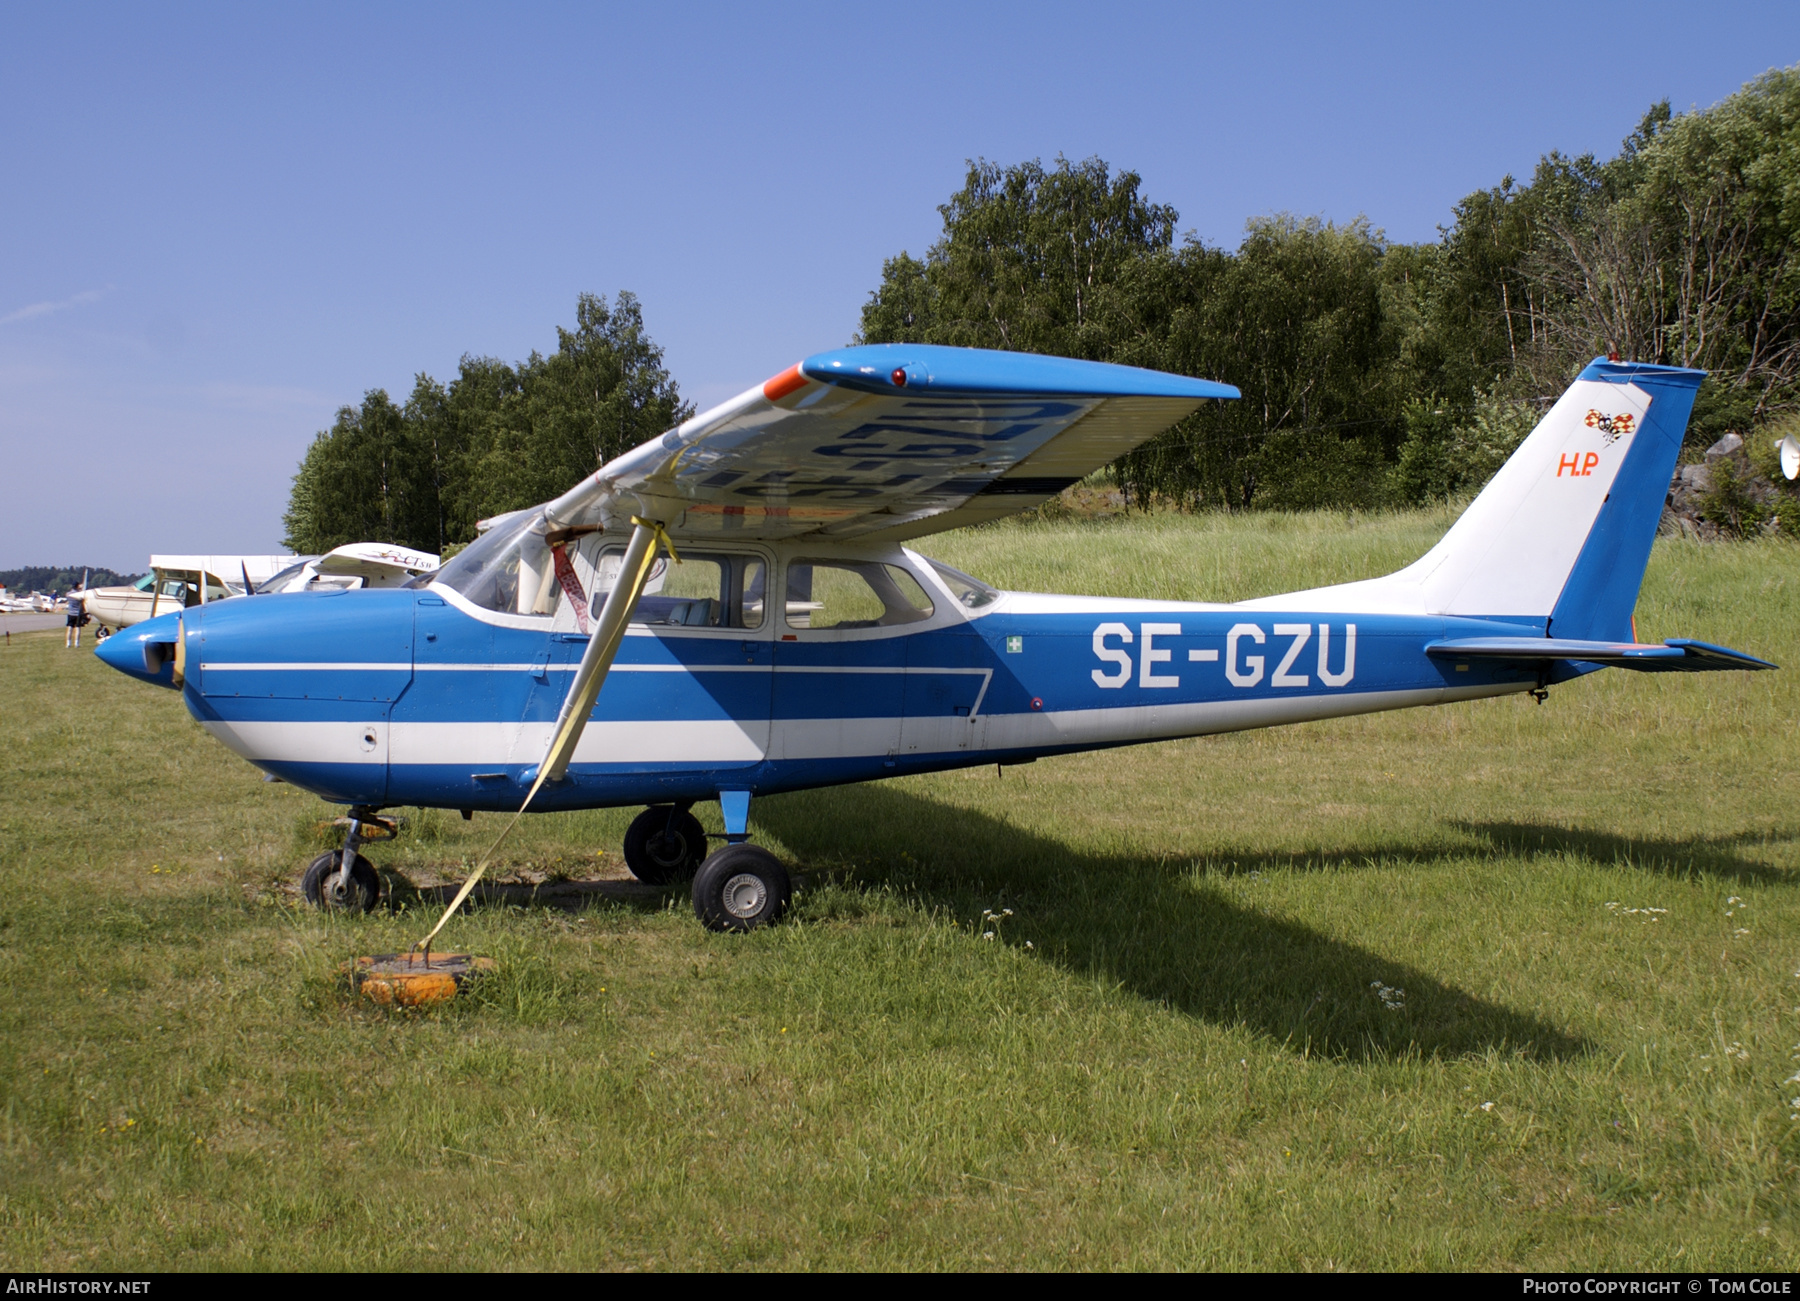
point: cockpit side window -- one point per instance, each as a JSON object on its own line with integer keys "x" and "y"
{"x": 702, "y": 590}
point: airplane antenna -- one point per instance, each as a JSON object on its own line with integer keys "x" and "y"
{"x": 249, "y": 587}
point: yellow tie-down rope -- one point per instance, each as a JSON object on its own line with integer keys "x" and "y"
{"x": 582, "y": 694}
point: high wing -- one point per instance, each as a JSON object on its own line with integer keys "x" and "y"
{"x": 889, "y": 441}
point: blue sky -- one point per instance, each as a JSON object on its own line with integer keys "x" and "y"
{"x": 220, "y": 224}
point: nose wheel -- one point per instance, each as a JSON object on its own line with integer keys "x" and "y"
{"x": 324, "y": 885}
{"x": 741, "y": 888}
{"x": 664, "y": 843}
{"x": 327, "y": 883}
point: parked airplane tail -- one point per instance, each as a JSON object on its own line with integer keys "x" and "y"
{"x": 1560, "y": 537}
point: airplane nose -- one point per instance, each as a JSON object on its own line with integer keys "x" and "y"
{"x": 145, "y": 651}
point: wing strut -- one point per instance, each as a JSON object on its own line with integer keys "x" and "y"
{"x": 596, "y": 661}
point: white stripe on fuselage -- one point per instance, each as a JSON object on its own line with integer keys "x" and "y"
{"x": 694, "y": 743}
{"x": 707, "y": 743}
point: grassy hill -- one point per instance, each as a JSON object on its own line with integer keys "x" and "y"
{"x": 1492, "y": 985}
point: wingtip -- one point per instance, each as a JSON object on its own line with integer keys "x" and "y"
{"x": 789, "y": 381}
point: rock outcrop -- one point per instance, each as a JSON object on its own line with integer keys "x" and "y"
{"x": 1698, "y": 508}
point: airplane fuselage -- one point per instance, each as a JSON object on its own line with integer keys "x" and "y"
{"x": 417, "y": 697}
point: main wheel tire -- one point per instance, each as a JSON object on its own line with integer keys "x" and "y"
{"x": 102, "y": 633}
{"x": 741, "y": 888}
{"x": 664, "y": 845}
{"x": 320, "y": 884}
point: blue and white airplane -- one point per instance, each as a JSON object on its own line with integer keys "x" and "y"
{"x": 730, "y": 610}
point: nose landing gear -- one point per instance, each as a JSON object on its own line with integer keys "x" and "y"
{"x": 342, "y": 880}
{"x": 324, "y": 886}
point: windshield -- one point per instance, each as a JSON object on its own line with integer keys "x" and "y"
{"x": 972, "y": 593}
{"x": 278, "y": 582}
{"x": 283, "y": 580}
{"x": 507, "y": 569}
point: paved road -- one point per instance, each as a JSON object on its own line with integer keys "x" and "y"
{"x": 38, "y": 622}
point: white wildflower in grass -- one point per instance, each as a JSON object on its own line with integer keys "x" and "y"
{"x": 1487, "y": 1106}
{"x": 1740, "y": 931}
{"x": 1394, "y": 1000}
{"x": 992, "y": 920}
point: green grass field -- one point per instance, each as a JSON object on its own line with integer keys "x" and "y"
{"x": 1493, "y": 985}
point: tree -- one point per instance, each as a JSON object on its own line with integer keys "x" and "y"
{"x": 1295, "y": 318}
{"x": 1030, "y": 260}
{"x": 496, "y": 438}
{"x": 360, "y": 482}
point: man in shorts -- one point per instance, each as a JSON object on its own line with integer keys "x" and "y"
{"x": 77, "y": 617}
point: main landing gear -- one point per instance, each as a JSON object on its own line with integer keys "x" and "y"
{"x": 743, "y": 886}
{"x": 739, "y": 888}
{"x": 665, "y": 843}
{"x": 342, "y": 880}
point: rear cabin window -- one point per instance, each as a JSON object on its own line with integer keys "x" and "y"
{"x": 702, "y": 590}
{"x": 852, "y": 594}
{"x": 969, "y": 591}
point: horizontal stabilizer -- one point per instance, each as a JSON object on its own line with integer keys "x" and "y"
{"x": 1677, "y": 655}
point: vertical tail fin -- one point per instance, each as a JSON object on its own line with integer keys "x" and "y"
{"x": 1561, "y": 535}
{"x": 1602, "y": 587}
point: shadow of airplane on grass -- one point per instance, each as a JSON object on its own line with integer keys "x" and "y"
{"x": 1148, "y": 925}
{"x": 1714, "y": 856}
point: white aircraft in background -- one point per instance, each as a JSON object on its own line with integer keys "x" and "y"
{"x": 178, "y": 582}
{"x": 175, "y": 583}
{"x": 360, "y": 564}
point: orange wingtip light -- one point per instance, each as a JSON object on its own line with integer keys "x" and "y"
{"x": 789, "y": 381}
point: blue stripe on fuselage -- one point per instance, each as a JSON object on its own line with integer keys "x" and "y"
{"x": 403, "y": 658}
